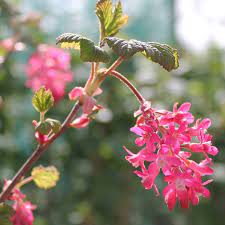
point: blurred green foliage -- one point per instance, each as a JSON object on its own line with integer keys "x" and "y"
{"x": 97, "y": 185}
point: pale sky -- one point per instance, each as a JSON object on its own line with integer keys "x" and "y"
{"x": 200, "y": 23}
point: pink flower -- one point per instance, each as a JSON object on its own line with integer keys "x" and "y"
{"x": 201, "y": 168}
{"x": 137, "y": 159}
{"x": 147, "y": 136}
{"x": 81, "y": 121}
{"x": 89, "y": 103}
{"x": 185, "y": 188}
{"x": 200, "y": 126}
{"x": 175, "y": 190}
{"x": 167, "y": 140}
{"x": 8, "y": 44}
{"x": 148, "y": 176}
{"x": 49, "y": 67}
{"x": 180, "y": 115}
{"x": 205, "y": 145}
{"x": 23, "y": 213}
{"x": 174, "y": 137}
{"x": 23, "y": 210}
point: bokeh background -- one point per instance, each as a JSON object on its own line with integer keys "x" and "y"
{"x": 97, "y": 185}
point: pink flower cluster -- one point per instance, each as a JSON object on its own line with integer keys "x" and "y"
{"x": 168, "y": 140}
{"x": 49, "y": 67}
{"x": 23, "y": 210}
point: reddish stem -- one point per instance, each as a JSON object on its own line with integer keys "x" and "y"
{"x": 25, "y": 181}
{"x": 115, "y": 64}
{"x": 95, "y": 80}
{"x": 91, "y": 77}
{"x": 37, "y": 153}
{"x": 129, "y": 85}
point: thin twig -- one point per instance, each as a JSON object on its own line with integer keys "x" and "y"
{"x": 92, "y": 74}
{"x": 115, "y": 64}
{"x": 37, "y": 154}
{"x": 24, "y": 181}
{"x": 128, "y": 84}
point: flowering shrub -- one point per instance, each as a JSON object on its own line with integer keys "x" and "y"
{"x": 167, "y": 139}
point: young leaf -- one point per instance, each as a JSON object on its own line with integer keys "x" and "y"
{"x": 162, "y": 54}
{"x": 45, "y": 177}
{"x": 111, "y": 20}
{"x": 43, "y": 127}
{"x": 88, "y": 51}
{"x": 5, "y": 214}
{"x": 54, "y": 124}
{"x": 43, "y": 100}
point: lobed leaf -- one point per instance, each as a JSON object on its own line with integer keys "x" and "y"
{"x": 6, "y": 213}
{"x": 88, "y": 51}
{"x": 162, "y": 54}
{"x": 43, "y": 100}
{"x": 45, "y": 177}
{"x": 111, "y": 19}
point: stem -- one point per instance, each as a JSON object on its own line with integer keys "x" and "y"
{"x": 129, "y": 85}
{"x": 115, "y": 64}
{"x": 25, "y": 181}
{"x": 42, "y": 117}
{"x": 96, "y": 67}
{"x": 37, "y": 153}
{"x": 91, "y": 77}
{"x": 95, "y": 79}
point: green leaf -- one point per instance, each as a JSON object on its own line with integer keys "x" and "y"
{"x": 43, "y": 127}
{"x": 45, "y": 177}
{"x": 5, "y": 214}
{"x": 111, "y": 19}
{"x": 43, "y": 100}
{"x": 88, "y": 51}
{"x": 162, "y": 54}
{"x": 55, "y": 125}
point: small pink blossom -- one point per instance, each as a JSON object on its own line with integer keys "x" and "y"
{"x": 185, "y": 188}
{"x": 49, "y": 67}
{"x": 148, "y": 176}
{"x": 81, "y": 121}
{"x": 167, "y": 140}
{"x": 23, "y": 213}
{"x": 8, "y": 44}
{"x": 89, "y": 103}
{"x": 147, "y": 136}
{"x": 23, "y": 210}
{"x": 137, "y": 159}
{"x": 205, "y": 145}
{"x": 179, "y": 115}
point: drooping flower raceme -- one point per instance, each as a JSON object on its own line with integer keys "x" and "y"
{"x": 167, "y": 141}
{"x": 49, "y": 67}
